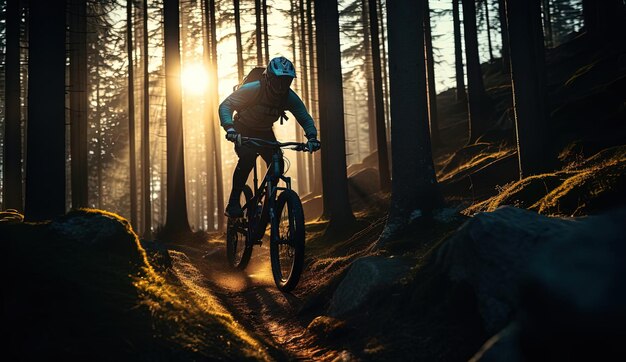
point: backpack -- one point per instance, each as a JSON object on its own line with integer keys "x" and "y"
{"x": 256, "y": 74}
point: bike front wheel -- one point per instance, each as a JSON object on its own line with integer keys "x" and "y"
{"x": 287, "y": 246}
{"x": 238, "y": 247}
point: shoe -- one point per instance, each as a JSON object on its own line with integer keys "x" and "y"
{"x": 233, "y": 210}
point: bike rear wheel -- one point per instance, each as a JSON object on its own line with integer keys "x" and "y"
{"x": 238, "y": 247}
{"x": 287, "y": 246}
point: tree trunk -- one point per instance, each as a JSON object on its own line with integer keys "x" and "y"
{"x": 430, "y": 79}
{"x": 414, "y": 185}
{"x": 529, "y": 85}
{"x": 210, "y": 117}
{"x": 131, "y": 114}
{"x": 240, "y": 67}
{"x": 304, "y": 77}
{"x": 547, "y": 23}
{"x": 381, "y": 130}
{"x": 258, "y": 33}
{"x": 45, "y": 163}
{"x": 461, "y": 94}
{"x": 78, "y": 102}
{"x": 504, "y": 31}
{"x": 371, "y": 110}
{"x": 145, "y": 139}
{"x": 177, "y": 221}
{"x": 315, "y": 172}
{"x": 300, "y": 166}
{"x": 266, "y": 36}
{"x": 488, "y": 23}
{"x": 100, "y": 138}
{"x": 384, "y": 67}
{"x": 337, "y": 207}
{"x": 216, "y": 134}
{"x": 475, "y": 87}
{"x": 12, "y": 163}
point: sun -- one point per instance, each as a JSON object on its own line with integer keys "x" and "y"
{"x": 194, "y": 78}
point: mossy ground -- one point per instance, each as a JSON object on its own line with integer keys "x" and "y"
{"x": 596, "y": 184}
{"x": 67, "y": 297}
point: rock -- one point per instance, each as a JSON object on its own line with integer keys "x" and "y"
{"x": 560, "y": 279}
{"x": 491, "y": 251}
{"x": 363, "y": 183}
{"x": 100, "y": 231}
{"x": 364, "y": 278}
{"x": 573, "y": 300}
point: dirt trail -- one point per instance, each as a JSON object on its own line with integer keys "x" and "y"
{"x": 253, "y": 299}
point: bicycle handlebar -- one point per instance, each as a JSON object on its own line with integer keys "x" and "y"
{"x": 259, "y": 142}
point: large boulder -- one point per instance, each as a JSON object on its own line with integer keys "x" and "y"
{"x": 365, "y": 277}
{"x": 560, "y": 280}
{"x": 495, "y": 252}
{"x": 491, "y": 251}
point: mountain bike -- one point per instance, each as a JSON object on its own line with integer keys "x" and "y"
{"x": 282, "y": 211}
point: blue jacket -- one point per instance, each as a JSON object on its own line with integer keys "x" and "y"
{"x": 262, "y": 115}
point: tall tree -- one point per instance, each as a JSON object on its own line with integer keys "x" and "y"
{"x": 78, "y": 101}
{"x": 304, "y": 76}
{"x": 461, "y": 94}
{"x": 12, "y": 164}
{"x": 216, "y": 139}
{"x": 488, "y": 24}
{"x": 504, "y": 31}
{"x": 258, "y": 32}
{"x": 266, "y": 35}
{"x": 547, "y": 23}
{"x": 414, "y": 185}
{"x": 131, "y": 114}
{"x": 529, "y": 85}
{"x": 301, "y": 167}
{"x": 475, "y": 87}
{"x": 381, "y": 130}
{"x": 45, "y": 147}
{"x": 430, "y": 78}
{"x": 315, "y": 173}
{"x": 177, "y": 221}
{"x": 238, "y": 40}
{"x": 210, "y": 118}
{"x": 145, "y": 138}
{"x": 331, "y": 115}
{"x": 371, "y": 105}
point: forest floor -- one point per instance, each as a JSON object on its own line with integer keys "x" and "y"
{"x": 251, "y": 296}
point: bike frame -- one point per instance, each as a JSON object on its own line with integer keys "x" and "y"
{"x": 266, "y": 191}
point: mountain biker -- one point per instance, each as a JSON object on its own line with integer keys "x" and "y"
{"x": 259, "y": 104}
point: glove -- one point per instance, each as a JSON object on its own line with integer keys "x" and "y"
{"x": 232, "y": 135}
{"x": 313, "y": 144}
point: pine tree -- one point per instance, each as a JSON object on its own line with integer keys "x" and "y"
{"x": 461, "y": 94}
{"x": 414, "y": 185}
{"x": 475, "y": 85}
{"x": 12, "y": 162}
{"x": 45, "y": 145}
{"x": 529, "y": 85}
{"x": 177, "y": 221}
{"x": 334, "y": 178}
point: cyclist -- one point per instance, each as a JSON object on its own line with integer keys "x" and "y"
{"x": 259, "y": 104}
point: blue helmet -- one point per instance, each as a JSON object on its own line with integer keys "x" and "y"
{"x": 281, "y": 66}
